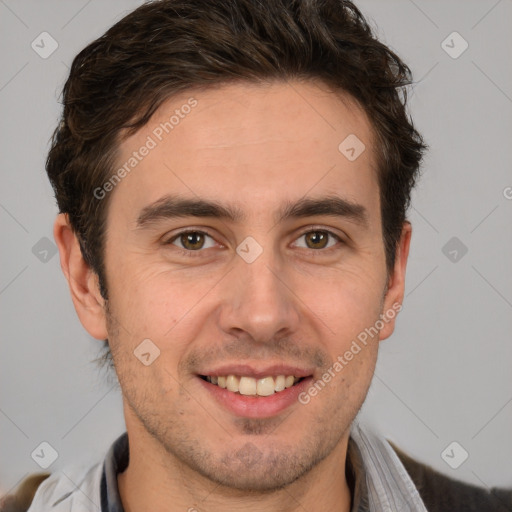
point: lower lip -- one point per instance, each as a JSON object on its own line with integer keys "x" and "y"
{"x": 256, "y": 406}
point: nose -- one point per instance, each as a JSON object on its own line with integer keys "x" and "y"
{"x": 259, "y": 303}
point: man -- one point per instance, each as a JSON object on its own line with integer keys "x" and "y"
{"x": 233, "y": 180}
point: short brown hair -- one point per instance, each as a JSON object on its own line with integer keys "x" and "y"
{"x": 165, "y": 47}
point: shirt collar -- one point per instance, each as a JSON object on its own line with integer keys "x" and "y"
{"x": 354, "y": 471}
{"x": 116, "y": 462}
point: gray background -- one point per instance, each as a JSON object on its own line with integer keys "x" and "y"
{"x": 444, "y": 376}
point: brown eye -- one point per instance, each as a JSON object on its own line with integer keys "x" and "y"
{"x": 192, "y": 240}
{"x": 316, "y": 239}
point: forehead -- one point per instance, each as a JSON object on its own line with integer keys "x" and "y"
{"x": 256, "y": 144}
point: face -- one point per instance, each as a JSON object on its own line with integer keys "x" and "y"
{"x": 261, "y": 278}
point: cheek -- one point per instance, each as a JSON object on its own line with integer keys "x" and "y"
{"x": 344, "y": 302}
{"x": 142, "y": 293}
{"x": 154, "y": 302}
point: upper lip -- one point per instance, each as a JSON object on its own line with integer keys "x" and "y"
{"x": 257, "y": 371}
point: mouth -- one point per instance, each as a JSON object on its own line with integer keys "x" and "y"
{"x": 251, "y": 386}
{"x": 246, "y": 392}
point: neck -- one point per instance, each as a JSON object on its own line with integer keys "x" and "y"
{"x": 155, "y": 480}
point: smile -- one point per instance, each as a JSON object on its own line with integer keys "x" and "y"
{"x": 250, "y": 386}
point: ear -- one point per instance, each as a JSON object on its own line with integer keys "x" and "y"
{"x": 82, "y": 280}
{"x": 396, "y": 283}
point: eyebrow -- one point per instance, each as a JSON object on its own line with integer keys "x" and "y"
{"x": 173, "y": 206}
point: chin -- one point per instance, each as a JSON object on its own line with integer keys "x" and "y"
{"x": 259, "y": 479}
{"x": 249, "y": 469}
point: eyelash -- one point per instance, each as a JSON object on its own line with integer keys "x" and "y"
{"x": 191, "y": 253}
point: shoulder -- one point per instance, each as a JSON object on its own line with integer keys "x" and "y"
{"x": 73, "y": 488}
{"x": 21, "y": 498}
{"x": 441, "y": 493}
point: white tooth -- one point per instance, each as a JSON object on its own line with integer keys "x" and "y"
{"x": 247, "y": 386}
{"x": 232, "y": 383}
{"x": 221, "y": 382}
{"x": 214, "y": 380}
{"x": 280, "y": 383}
{"x": 289, "y": 381}
{"x": 265, "y": 386}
